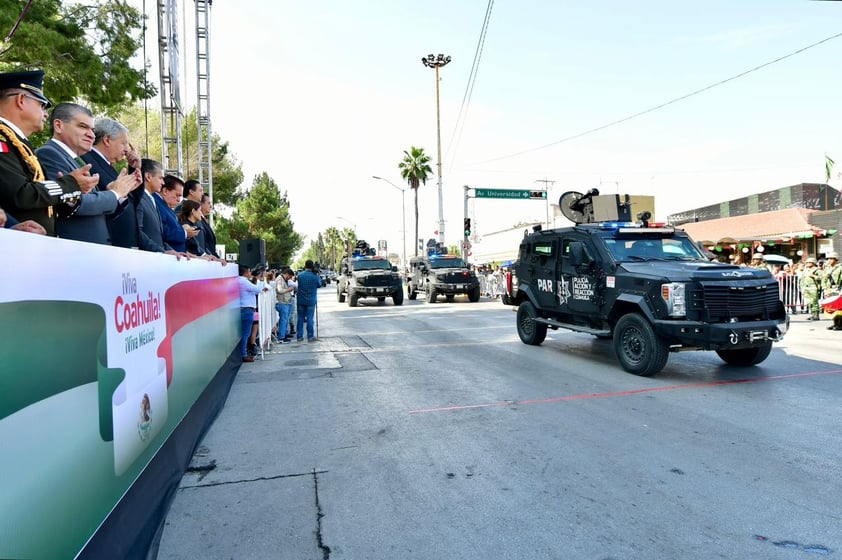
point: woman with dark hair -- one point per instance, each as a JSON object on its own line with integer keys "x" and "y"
{"x": 189, "y": 218}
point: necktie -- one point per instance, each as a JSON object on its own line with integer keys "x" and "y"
{"x": 80, "y": 161}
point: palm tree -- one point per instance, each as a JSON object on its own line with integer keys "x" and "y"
{"x": 349, "y": 239}
{"x": 333, "y": 240}
{"x": 415, "y": 169}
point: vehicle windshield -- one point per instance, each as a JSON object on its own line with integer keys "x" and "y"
{"x": 635, "y": 248}
{"x": 452, "y": 262}
{"x": 373, "y": 264}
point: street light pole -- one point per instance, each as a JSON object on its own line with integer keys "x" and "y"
{"x": 403, "y": 217}
{"x": 437, "y": 61}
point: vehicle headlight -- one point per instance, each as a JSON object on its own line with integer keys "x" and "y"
{"x": 673, "y": 294}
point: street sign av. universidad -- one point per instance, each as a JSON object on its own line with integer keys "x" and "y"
{"x": 510, "y": 194}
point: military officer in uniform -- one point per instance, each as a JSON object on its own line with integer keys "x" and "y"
{"x": 24, "y": 190}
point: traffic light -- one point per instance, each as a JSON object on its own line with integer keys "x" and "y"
{"x": 538, "y": 194}
{"x": 467, "y": 227}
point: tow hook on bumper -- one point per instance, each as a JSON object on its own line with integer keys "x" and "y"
{"x": 759, "y": 336}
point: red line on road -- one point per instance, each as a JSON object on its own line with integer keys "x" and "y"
{"x": 627, "y": 393}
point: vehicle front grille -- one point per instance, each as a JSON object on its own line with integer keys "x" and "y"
{"x": 455, "y": 277}
{"x": 376, "y": 281}
{"x": 744, "y": 302}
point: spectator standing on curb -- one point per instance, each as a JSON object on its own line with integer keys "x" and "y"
{"x": 307, "y": 296}
{"x": 283, "y": 298}
{"x": 248, "y": 307}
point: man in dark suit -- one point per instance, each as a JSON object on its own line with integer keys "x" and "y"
{"x": 72, "y": 128}
{"x": 24, "y": 190}
{"x": 170, "y": 196}
{"x": 149, "y": 225}
{"x": 210, "y": 236}
{"x": 111, "y": 145}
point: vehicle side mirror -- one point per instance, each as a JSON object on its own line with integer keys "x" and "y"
{"x": 394, "y": 268}
{"x": 578, "y": 255}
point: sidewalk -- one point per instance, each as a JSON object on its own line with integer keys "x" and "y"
{"x": 244, "y": 496}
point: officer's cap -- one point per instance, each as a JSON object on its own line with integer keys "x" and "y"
{"x": 831, "y": 255}
{"x": 810, "y": 260}
{"x": 32, "y": 81}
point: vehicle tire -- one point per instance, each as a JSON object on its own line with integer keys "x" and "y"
{"x": 639, "y": 349}
{"x": 352, "y": 300}
{"x": 450, "y": 297}
{"x": 473, "y": 295}
{"x": 431, "y": 295}
{"x": 410, "y": 292}
{"x": 381, "y": 299}
{"x": 530, "y": 331}
{"x": 340, "y": 297}
{"x": 397, "y": 298}
{"x": 746, "y": 356}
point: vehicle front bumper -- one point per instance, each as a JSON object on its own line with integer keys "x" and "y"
{"x": 455, "y": 288}
{"x": 375, "y": 291}
{"x": 722, "y": 336}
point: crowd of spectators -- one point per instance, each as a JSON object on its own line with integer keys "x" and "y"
{"x": 295, "y": 304}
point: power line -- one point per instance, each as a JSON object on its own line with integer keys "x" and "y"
{"x": 469, "y": 88}
{"x": 665, "y": 104}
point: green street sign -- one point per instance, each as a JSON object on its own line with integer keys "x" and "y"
{"x": 501, "y": 193}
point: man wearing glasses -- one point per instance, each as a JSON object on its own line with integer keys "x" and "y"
{"x": 24, "y": 190}
{"x": 72, "y": 127}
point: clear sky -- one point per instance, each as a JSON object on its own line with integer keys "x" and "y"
{"x": 323, "y": 95}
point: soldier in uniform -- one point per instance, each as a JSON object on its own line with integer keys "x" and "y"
{"x": 24, "y": 190}
{"x": 831, "y": 274}
{"x": 811, "y": 287}
{"x": 831, "y": 286}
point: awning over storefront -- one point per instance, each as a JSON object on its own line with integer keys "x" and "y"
{"x": 779, "y": 225}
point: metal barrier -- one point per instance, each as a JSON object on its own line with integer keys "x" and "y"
{"x": 268, "y": 319}
{"x": 790, "y": 292}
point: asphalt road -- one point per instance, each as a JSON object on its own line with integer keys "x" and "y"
{"x": 430, "y": 432}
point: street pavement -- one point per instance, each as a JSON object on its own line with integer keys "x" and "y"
{"x": 316, "y": 435}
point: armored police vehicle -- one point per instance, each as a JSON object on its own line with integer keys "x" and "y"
{"x": 648, "y": 288}
{"x": 441, "y": 274}
{"x": 364, "y": 274}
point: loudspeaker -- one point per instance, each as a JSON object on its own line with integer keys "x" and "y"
{"x": 252, "y": 252}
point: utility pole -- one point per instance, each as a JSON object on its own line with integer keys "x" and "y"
{"x": 547, "y": 184}
{"x": 438, "y": 61}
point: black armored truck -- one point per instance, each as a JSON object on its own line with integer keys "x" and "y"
{"x": 647, "y": 287}
{"x": 438, "y": 273}
{"x": 364, "y": 274}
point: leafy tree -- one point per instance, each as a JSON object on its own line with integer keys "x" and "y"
{"x": 415, "y": 170}
{"x": 263, "y": 213}
{"x": 85, "y": 49}
{"x": 227, "y": 170}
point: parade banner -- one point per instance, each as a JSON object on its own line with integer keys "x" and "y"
{"x": 103, "y": 352}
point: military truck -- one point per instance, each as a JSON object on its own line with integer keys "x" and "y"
{"x": 437, "y": 274}
{"x": 363, "y": 274}
{"x": 645, "y": 286}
